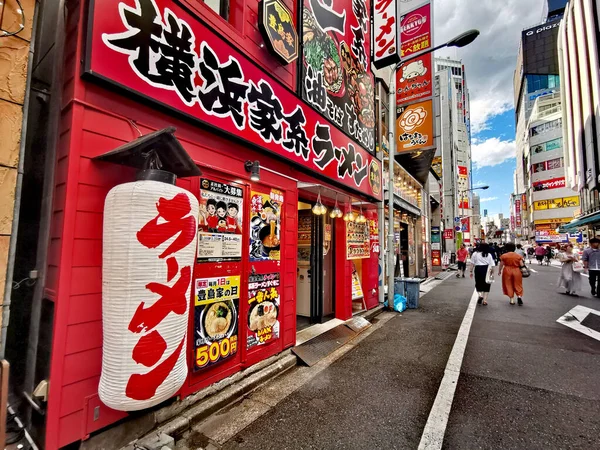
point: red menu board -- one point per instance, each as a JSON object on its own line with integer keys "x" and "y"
{"x": 157, "y": 50}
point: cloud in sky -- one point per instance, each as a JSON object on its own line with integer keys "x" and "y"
{"x": 488, "y": 199}
{"x": 491, "y": 152}
{"x": 480, "y": 183}
{"x": 491, "y": 60}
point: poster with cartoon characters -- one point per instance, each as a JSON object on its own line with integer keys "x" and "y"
{"x": 220, "y": 222}
{"x": 265, "y": 225}
{"x": 263, "y": 308}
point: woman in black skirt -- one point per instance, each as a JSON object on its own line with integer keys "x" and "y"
{"x": 481, "y": 260}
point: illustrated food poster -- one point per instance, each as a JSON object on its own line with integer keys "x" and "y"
{"x": 265, "y": 225}
{"x": 216, "y": 309}
{"x": 263, "y": 308}
{"x": 220, "y": 222}
{"x": 357, "y": 240}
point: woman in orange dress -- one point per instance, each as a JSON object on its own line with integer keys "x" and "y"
{"x": 510, "y": 269}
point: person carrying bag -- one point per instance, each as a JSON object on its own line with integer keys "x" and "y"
{"x": 481, "y": 263}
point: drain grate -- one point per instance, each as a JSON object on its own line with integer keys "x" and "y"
{"x": 316, "y": 349}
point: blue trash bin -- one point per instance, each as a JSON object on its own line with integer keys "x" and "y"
{"x": 399, "y": 286}
{"x": 411, "y": 289}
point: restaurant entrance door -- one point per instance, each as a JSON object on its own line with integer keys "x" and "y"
{"x": 315, "y": 275}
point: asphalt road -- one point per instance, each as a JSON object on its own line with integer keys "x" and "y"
{"x": 526, "y": 382}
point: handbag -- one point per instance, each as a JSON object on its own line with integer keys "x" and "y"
{"x": 489, "y": 276}
{"x": 577, "y": 267}
{"x": 525, "y": 271}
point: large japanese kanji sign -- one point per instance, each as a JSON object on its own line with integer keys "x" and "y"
{"x": 336, "y": 66}
{"x": 159, "y": 51}
{"x": 385, "y": 33}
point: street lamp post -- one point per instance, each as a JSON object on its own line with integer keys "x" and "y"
{"x": 459, "y": 41}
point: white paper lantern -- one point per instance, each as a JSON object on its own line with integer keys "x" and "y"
{"x": 149, "y": 250}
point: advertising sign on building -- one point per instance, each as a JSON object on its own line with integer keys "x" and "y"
{"x": 436, "y": 165}
{"x": 220, "y": 222}
{"x": 554, "y": 183}
{"x": 386, "y": 47}
{"x": 336, "y": 65}
{"x": 276, "y": 24}
{"x": 565, "y": 202}
{"x": 219, "y": 87}
{"x": 414, "y": 127}
{"x": 449, "y": 233}
{"x": 414, "y": 80}
{"x": 264, "y": 302}
{"x": 216, "y": 308}
{"x": 265, "y": 225}
{"x": 357, "y": 240}
{"x": 415, "y": 31}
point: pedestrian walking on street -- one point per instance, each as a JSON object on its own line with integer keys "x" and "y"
{"x": 461, "y": 255}
{"x": 530, "y": 253}
{"x": 510, "y": 270}
{"x": 570, "y": 276}
{"x": 481, "y": 261}
{"x": 540, "y": 252}
{"x": 519, "y": 251}
{"x": 591, "y": 261}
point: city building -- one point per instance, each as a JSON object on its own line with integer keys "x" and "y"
{"x": 476, "y": 220}
{"x": 580, "y": 89}
{"x": 453, "y": 154}
{"x": 541, "y": 201}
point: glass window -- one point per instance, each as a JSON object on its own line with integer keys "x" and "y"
{"x": 221, "y": 7}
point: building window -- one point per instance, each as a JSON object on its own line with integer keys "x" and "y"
{"x": 221, "y": 7}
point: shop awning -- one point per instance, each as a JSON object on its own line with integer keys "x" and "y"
{"x": 584, "y": 220}
{"x": 399, "y": 202}
{"x": 417, "y": 163}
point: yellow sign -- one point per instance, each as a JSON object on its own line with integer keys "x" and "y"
{"x": 557, "y": 222}
{"x": 554, "y": 203}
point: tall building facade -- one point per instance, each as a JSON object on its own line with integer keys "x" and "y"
{"x": 541, "y": 202}
{"x": 580, "y": 82}
{"x": 454, "y": 151}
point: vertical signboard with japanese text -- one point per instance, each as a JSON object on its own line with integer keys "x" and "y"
{"x": 263, "y": 308}
{"x": 414, "y": 80}
{"x": 157, "y": 51}
{"x": 336, "y": 66}
{"x": 220, "y": 222}
{"x": 416, "y": 31}
{"x": 357, "y": 240}
{"x": 386, "y": 45}
{"x": 216, "y": 308}
{"x": 414, "y": 127}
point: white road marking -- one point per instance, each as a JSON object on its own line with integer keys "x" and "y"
{"x": 533, "y": 270}
{"x": 435, "y": 428}
{"x": 574, "y": 318}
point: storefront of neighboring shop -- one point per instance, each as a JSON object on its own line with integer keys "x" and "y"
{"x": 280, "y": 217}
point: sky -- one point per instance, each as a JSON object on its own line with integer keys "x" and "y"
{"x": 490, "y": 63}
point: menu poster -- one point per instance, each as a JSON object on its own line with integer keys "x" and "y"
{"x": 357, "y": 292}
{"x": 220, "y": 222}
{"x": 263, "y": 308}
{"x": 304, "y": 229}
{"x": 374, "y": 235}
{"x": 216, "y": 307}
{"x": 265, "y": 225}
{"x": 357, "y": 240}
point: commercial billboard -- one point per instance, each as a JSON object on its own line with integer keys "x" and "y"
{"x": 336, "y": 65}
{"x": 553, "y": 183}
{"x": 564, "y": 202}
{"x": 539, "y": 49}
{"x": 414, "y": 127}
{"x": 386, "y": 42}
{"x": 414, "y": 80}
{"x": 416, "y": 31}
{"x": 219, "y": 87}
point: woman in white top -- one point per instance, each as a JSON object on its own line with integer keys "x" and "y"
{"x": 481, "y": 260}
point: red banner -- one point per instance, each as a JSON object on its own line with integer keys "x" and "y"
{"x": 462, "y": 170}
{"x": 449, "y": 233}
{"x": 414, "y": 81}
{"x": 160, "y": 52}
{"x": 554, "y": 183}
{"x": 415, "y": 31}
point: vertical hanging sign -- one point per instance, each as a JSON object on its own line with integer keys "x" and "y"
{"x": 385, "y": 34}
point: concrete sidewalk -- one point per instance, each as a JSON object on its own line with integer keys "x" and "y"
{"x": 377, "y": 395}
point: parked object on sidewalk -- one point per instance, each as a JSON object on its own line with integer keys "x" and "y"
{"x": 511, "y": 269}
{"x": 412, "y": 288}
{"x": 399, "y": 303}
{"x": 398, "y": 286}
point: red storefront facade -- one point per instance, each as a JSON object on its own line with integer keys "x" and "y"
{"x": 110, "y": 99}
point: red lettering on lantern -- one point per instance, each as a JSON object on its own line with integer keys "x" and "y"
{"x": 143, "y": 387}
{"x": 174, "y": 213}
{"x": 149, "y": 349}
{"x": 172, "y": 268}
{"x": 172, "y": 300}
